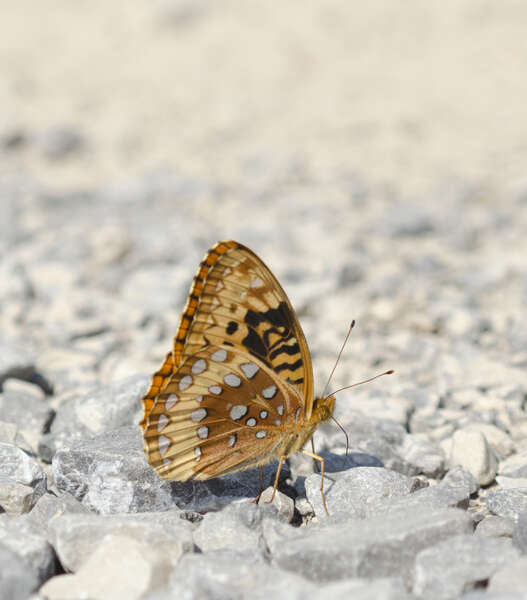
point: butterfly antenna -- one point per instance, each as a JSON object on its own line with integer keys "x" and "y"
{"x": 390, "y": 372}
{"x": 344, "y": 432}
{"x": 338, "y": 358}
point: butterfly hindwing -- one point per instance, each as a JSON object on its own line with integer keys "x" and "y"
{"x": 221, "y": 411}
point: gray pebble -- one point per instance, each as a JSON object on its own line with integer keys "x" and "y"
{"x": 76, "y": 536}
{"x": 493, "y": 526}
{"x": 368, "y": 548}
{"x": 507, "y": 503}
{"x": 349, "y": 493}
{"x": 16, "y": 581}
{"x": 22, "y": 537}
{"x": 510, "y": 579}
{"x": 445, "y": 570}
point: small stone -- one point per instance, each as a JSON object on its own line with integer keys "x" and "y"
{"x": 16, "y": 581}
{"x": 109, "y": 474}
{"x": 511, "y": 482}
{"x": 510, "y": 579}
{"x": 16, "y": 498}
{"x": 282, "y": 504}
{"x": 507, "y": 503}
{"x": 471, "y": 451}
{"x": 427, "y": 457}
{"x": 454, "y": 490}
{"x": 236, "y": 527}
{"x": 76, "y": 536}
{"x": 493, "y": 526}
{"x": 227, "y": 574}
{"x": 498, "y": 440}
{"x": 520, "y": 533}
{"x": 49, "y": 506}
{"x": 349, "y": 492}
{"x": 447, "y": 569}
{"x": 20, "y": 536}
{"x": 121, "y": 568}
{"x": 385, "y": 545}
{"x": 515, "y": 465}
{"x": 59, "y": 142}
{"x": 17, "y": 467}
{"x": 23, "y": 404}
{"x": 303, "y": 506}
{"x": 102, "y": 409}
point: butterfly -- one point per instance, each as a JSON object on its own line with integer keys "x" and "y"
{"x": 236, "y": 390}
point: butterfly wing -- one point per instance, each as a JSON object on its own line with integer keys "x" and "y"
{"x": 235, "y": 301}
{"x": 222, "y": 411}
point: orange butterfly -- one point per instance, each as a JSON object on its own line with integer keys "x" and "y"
{"x": 236, "y": 391}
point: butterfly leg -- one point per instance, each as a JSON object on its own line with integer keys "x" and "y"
{"x": 321, "y": 460}
{"x": 317, "y": 465}
{"x": 255, "y": 500}
{"x": 275, "y": 486}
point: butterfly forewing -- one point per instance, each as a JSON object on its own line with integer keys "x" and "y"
{"x": 222, "y": 411}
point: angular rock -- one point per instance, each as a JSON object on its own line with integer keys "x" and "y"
{"x": 511, "y": 482}
{"x": 16, "y": 498}
{"x": 75, "y": 537}
{"x": 454, "y": 490}
{"x": 237, "y": 527}
{"x": 380, "y": 546}
{"x": 103, "y": 409}
{"x": 20, "y": 536}
{"x": 520, "y": 533}
{"x": 493, "y": 526}
{"x": 510, "y": 579}
{"x": 471, "y": 450}
{"x": 507, "y": 503}
{"x": 23, "y": 404}
{"x": 227, "y": 574}
{"x": 426, "y": 457}
{"x": 386, "y": 588}
{"x": 121, "y": 568}
{"x": 282, "y": 505}
{"x": 16, "y": 581}
{"x": 498, "y": 440}
{"x": 351, "y": 492}
{"x": 18, "y": 469}
{"x": 49, "y": 506}
{"x": 109, "y": 474}
{"x": 445, "y": 570}
{"x": 515, "y": 465}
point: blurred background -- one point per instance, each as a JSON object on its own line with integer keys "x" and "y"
{"x": 372, "y": 154}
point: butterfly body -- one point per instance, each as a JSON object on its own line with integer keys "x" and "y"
{"x": 236, "y": 391}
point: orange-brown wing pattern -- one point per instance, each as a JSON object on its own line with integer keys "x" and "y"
{"x": 235, "y": 301}
{"x": 221, "y": 411}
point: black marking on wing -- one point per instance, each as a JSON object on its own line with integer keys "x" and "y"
{"x": 290, "y": 366}
{"x": 261, "y": 327}
{"x": 253, "y": 342}
{"x": 232, "y": 327}
{"x": 285, "y": 349}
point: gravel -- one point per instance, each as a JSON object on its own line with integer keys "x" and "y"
{"x": 402, "y": 206}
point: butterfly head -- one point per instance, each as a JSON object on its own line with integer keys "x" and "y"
{"x": 323, "y": 408}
